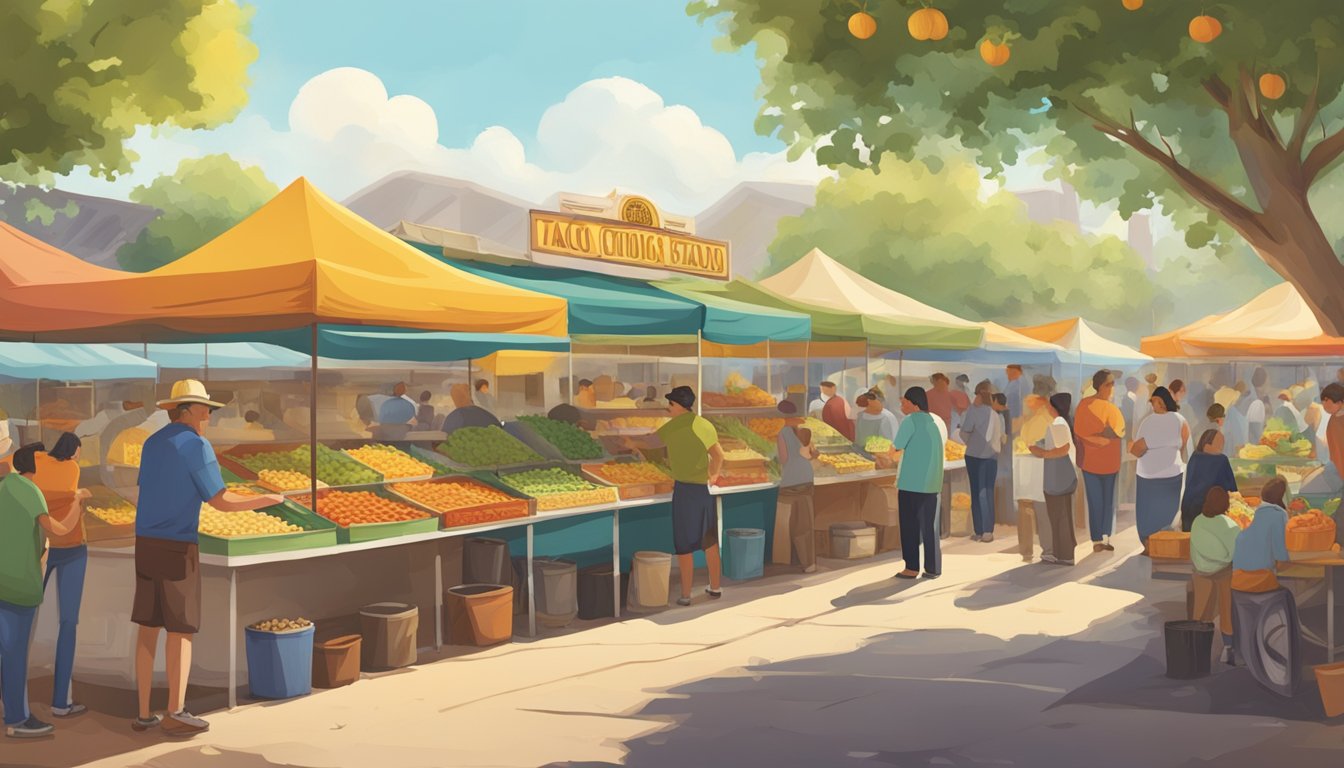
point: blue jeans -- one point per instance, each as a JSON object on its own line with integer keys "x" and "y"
{"x": 919, "y": 526}
{"x": 16, "y": 628}
{"x": 69, "y": 564}
{"x": 982, "y": 473}
{"x": 1100, "y": 504}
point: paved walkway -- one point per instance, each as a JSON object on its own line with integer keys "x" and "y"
{"x": 998, "y": 663}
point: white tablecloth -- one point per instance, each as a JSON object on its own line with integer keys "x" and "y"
{"x": 1029, "y": 478}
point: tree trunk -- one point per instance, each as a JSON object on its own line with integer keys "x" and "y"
{"x": 1295, "y": 246}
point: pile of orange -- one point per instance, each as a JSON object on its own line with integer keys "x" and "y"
{"x": 1311, "y": 522}
{"x": 454, "y": 494}
{"x": 346, "y": 508}
{"x": 631, "y": 473}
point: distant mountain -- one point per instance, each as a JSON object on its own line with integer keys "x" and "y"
{"x": 439, "y": 201}
{"x": 748, "y": 216}
{"x": 94, "y": 233}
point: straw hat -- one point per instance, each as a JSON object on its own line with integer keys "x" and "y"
{"x": 188, "y": 391}
{"x": 1226, "y": 397}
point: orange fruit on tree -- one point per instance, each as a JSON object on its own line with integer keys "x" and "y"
{"x": 1132, "y": 5}
{"x": 862, "y": 25}
{"x": 1272, "y": 86}
{"x": 1203, "y": 29}
{"x": 994, "y": 54}
{"x": 927, "y": 24}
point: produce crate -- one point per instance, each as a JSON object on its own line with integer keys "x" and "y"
{"x": 384, "y": 446}
{"x": 533, "y": 439}
{"x": 472, "y": 515}
{"x": 459, "y": 468}
{"x": 1310, "y": 541}
{"x": 595, "y": 473}
{"x": 1169, "y": 545}
{"x": 229, "y": 460}
{"x": 376, "y": 531}
{"x": 546, "y": 503}
{"x": 95, "y": 528}
{"x": 318, "y": 532}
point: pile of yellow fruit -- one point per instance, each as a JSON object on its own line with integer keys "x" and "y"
{"x": 231, "y": 524}
{"x": 767, "y": 428}
{"x": 285, "y": 480}
{"x": 393, "y": 464}
{"x": 453, "y": 494}
{"x": 631, "y": 473}
{"x": 953, "y": 451}
{"x": 132, "y": 452}
{"x": 1255, "y": 452}
{"x": 845, "y": 463}
{"x": 742, "y": 454}
{"x": 571, "y": 499}
{"x": 632, "y": 422}
{"x": 116, "y": 513}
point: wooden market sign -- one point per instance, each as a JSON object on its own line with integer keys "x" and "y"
{"x": 635, "y": 240}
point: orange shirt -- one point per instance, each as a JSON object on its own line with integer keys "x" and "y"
{"x": 1093, "y": 418}
{"x": 58, "y": 481}
{"x": 940, "y": 404}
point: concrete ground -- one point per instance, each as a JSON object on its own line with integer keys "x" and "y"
{"x": 997, "y": 663}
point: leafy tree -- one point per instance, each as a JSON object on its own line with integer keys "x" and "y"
{"x": 1123, "y": 104}
{"x": 206, "y": 196}
{"x": 80, "y": 77}
{"x": 928, "y": 234}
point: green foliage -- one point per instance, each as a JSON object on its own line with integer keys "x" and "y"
{"x": 205, "y": 197}
{"x": 81, "y": 78}
{"x": 36, "y": 210}
{"x": 824, "y": 88}
{"x": 930, "y": 235}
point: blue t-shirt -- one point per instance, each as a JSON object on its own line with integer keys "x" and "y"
{"x": 178, "y": 471}
{"x": 1262, "y": 544}
{"x": 396, "y": 410}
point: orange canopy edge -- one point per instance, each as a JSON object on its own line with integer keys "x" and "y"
{"x": 300, "y": 259}
{"x": 1277, "y": 323}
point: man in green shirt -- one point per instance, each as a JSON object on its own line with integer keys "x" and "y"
{"x": 23, "y": 518}
{"x": 696, "y": 458}
{"x": 918, "y": 483}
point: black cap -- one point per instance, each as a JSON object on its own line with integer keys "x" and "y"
{"x": 683, "y": 396}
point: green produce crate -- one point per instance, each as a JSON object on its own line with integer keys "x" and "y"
{"x": 548, "y": 450}
{"x": 355, "y": 534}
{"x": 318, "y": 532}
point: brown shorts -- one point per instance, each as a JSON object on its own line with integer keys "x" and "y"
{"x": 167, "y": 585}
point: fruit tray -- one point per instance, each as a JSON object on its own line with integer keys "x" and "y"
{"x": 468, "y": 514}
{"x": 229, "y": 459}
{"x": 390, "y": 449}
{"x": 318, "y": 532}
{"x": 534, "y": 440}
{"x": 98, "y": 529}
{"x": 641, "y": 490}
{"x": 550, "y": 502}
{"x": 458, "y": 467}
{"x": 358, "y": 532}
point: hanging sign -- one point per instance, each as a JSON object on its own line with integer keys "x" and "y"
{"x": 628, "y": 243}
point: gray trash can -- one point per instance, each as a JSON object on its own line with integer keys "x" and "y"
{"x": 557, "y": 584}
{"x": 486, "y": 561}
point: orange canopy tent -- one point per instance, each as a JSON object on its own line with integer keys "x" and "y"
{"x": 300, "y": 260}
{"x": 1277, "y": 323}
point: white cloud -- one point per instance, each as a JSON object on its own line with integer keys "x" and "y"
{"x": 345, "y": 132}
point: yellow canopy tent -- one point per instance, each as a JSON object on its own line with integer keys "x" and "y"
{"x": 1277, "y": 323}
{"x": 300, "y": 260}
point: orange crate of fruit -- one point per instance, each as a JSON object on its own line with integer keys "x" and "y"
{"x": 1169, "y": 545}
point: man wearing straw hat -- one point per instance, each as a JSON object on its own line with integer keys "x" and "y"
{"x": 178, "y": 472}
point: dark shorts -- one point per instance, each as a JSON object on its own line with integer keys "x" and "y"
{"x": 167, "y": 585}
{"x": 695, "y": 519}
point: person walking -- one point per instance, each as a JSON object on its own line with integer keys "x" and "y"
{"x": 794, "y": 511}
{"x": 68, "y": 557}
{"x": 1016, "y": 391}
{"x": 1100, "y": 429}
{"x": 1059, "y": 483}
{"x": 695, "y": 458}
{"x": 918, "y": 483}
{"x": 1209, "y": 468}
{"x": 178, "y": 472}
{"x": 1213, "y": 540}
{"x": 1029, "y": 478}
{"x": 23, "y": 519}
{"x": 982, "y": 432}
{"x": 1158, "y": 445}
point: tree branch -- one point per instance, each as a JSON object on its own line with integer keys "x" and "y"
{"x": 1322, "y": 155}
{"x": 1304, "y": 119}
{"x": 1204, "y": 191}
{"x": 1219, "y": 91}
{"x": 1256, "y": 116}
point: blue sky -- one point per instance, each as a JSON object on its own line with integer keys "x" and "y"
{"x": 480, "y": 64}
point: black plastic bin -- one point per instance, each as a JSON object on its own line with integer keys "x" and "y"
{"x": 595, "y": 592}
{"x": 1189, "y": 649}
{"x": 486, "y": 561}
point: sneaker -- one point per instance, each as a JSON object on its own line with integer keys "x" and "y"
{"x": 1108, "y": 546}
{"x": 714, "y": 594}
{"x": 1049, "y": 559}
{"x": 928, "y": 575}
{"x": 1097, "y": 546}
{"x": 683, "y": 601}
{"x": 32, "y": 728}
{"x": 73, "y": 710}
{"x": 184, "y": 724}
{"x": 140, "y": 725}
{"x": 975, "y": 537}
{"x": 988, "y": 537}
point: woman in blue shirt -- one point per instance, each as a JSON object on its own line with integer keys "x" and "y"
{"x": 1208, "y": 468}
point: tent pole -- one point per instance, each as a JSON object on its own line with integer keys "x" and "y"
{"x": 312, "y": 419}
{"x": 867, "y": 361}
{"x": 1081, "y": 388}
{"x": 900, "y": 370}
{"x": 569, "y": 386}
{"x": 699, "y": 372}
{"x": 205, "y": 361}
{"x": 769, "y": 374}
{"x": 807, "y": 375}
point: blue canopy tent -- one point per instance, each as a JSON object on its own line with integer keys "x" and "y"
{"x": 29, "y": 361}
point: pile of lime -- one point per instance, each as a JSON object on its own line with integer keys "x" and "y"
{"x": 572, "y": 442}
{"x": 486, "y": 447}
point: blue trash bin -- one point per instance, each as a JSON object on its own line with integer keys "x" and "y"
{"x": 744, "y": 553}
{"x": 280, "y": 664}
